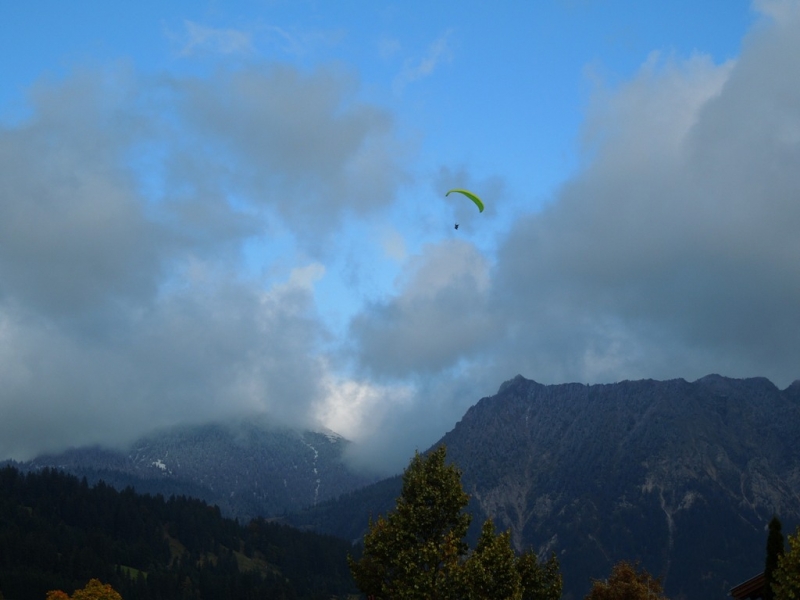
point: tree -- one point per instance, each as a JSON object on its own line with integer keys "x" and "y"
{"x": 94, "y": 590}
{"x": 491, "y": 572}
{"x": 417, "y": 551}
{"x": 414, "y": 552}
{"x": 626, "y": 583}
{"x": 539, "y": 581}
{"x": 786, "y": 585}
{"x": 774, "y": 552}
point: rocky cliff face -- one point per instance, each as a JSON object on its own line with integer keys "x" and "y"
{"x": 246, "y": 468}
{"x": 681, "y": 476}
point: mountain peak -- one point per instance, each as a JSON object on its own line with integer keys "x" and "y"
{"x": 516, "y": 380}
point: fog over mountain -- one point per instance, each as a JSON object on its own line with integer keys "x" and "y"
{"x": 240, "y": 217}
{"x": 247, "y": 468}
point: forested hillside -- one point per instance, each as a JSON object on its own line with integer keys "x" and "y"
{"x": 57, "y": 532}
{"x": 248, "y": 467}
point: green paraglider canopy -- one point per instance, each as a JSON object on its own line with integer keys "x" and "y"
{"x": 478, "y": 202}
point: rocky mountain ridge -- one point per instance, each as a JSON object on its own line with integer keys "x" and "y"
{"x": 682, "y": 476}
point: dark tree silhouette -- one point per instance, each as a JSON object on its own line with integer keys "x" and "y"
{"x": 774, "y": 552}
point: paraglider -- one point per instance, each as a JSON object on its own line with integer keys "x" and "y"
{"x": 478, "y": 202}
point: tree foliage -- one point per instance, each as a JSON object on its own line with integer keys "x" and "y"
{"x": 775, "y": 550}
{"x": 418, "y": 551}
{"x": 94, "y": 590}
{"x": 491, "y": 571}
{"x": 539, "y": 581}
{"x": 786, "y": 585}
{"x": 626, "y": 583}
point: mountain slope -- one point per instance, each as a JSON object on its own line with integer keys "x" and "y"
{"x": 246, "y": 468}
{"x": 681, "y": 476}
{"x": 57, "y": 532}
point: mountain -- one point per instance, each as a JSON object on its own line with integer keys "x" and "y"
{"x": 680, "y": 476}
{"x": 246, "y": 468}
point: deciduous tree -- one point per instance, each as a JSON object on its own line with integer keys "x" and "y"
{"x": 539, "y": 581}
{"x": 626, "y": 583}
{"x": 787, "y": 576}
{"x": 417, "y": 551}
{"x": 491, "y": 571}
{"x": 414, "y": 552}
{"x": 94, "y": 590}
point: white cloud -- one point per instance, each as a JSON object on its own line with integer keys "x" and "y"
{"x": 439, "y": 316}
{"x": 124, "y": 303}
{"x": 394, "y": 245}
{"x": 439, "y": 52}
{"x": 300, "y": 42}
{"x": 782, "y": 11}
{"x": 673, "y": 252}
{"x": 203, "y": 39}
{"x": 302, "y": 146}
{"x": 351, "y": 407}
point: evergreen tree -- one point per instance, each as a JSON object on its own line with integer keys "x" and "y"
{"x": 774, "y": 552}
{"x": 786, "y": 584}
{"x": 418, "y": 552}
{"x": 57, "y": 533}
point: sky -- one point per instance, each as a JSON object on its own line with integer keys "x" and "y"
{"x": 213, "y": 210}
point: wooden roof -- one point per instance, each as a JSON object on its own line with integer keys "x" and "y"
{"x": 752, "y": 589}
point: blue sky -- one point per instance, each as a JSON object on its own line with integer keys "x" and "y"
{"x": 216, "y": 209}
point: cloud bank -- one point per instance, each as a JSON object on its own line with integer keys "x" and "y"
{"x": 126, "y": 204}
{"x": 163, "y": 240}
{"x": 673, "y": 252}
